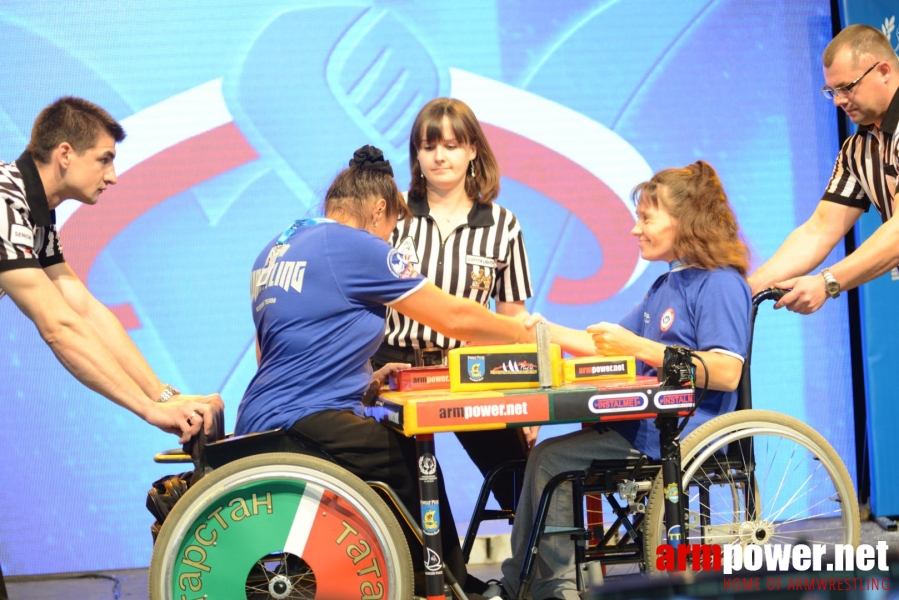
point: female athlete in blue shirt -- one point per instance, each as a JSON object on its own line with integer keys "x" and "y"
{"x": 702, "y": 302}
{"x": 319, "y": 294}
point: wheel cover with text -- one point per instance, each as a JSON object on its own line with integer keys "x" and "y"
{"x": 276, "y": 532}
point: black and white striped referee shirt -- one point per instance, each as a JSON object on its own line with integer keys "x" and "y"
{"x": 28, "y": 236}
{"x": 867, "y": 166}
{"x": 484, "y": 259}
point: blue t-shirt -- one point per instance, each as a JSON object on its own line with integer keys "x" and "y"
{"x": 318, "y": 302}
{"x": 700, "y": 309}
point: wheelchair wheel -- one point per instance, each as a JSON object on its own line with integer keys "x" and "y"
{"x": 283, "y": 526}
{"x": 758, "y": 477}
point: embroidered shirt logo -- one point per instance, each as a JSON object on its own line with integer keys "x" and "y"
{"x": 399, "y": 266}
{"x": 482, "y": 269}
{"x": 667, "y": 319}
{"x": 407, "y": 249}
{"x": 481, "y": 279}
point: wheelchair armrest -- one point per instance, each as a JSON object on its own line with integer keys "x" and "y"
{"x": 173, "y": 456}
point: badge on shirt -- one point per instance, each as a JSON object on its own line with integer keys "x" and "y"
{"x": 482, "y": 269}
{"x": 399, "y": 266}
{"x": 20, "y": 235}
{"x": 667, "y": 319}
{"x": 407, "y": 249}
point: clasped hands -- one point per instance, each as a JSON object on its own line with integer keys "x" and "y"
{"x": 184, "y": 415}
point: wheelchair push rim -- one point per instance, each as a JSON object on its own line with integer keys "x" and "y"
{"x": 282, "y": 526}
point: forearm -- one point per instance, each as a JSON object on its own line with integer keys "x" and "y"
{"x": 574, "y": 341}
{"x": 461, "y": 318}
{"x": 801, "y": 252}
{"x": 122, "y": 348}
{"x": 467, "y": 320}
{"x": 80, "y": 350}
{"x": 723, "y": 370}
{"x": 877, "y": 255}
{"x": 510, "y": 309}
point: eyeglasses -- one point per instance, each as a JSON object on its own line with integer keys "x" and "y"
{"x": 831, "y": 93}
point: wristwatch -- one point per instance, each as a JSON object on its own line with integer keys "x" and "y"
{"x": 167, "y": 394}
{"x": 831, "y": 285}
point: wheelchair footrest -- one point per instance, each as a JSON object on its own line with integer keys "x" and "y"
{"x": 493, "y": 515}
{"x": 575, "y": 532}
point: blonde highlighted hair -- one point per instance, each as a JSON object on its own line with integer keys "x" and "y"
{"x": 707, "y": 235}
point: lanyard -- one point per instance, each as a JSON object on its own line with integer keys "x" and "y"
{"x": 301, "y": 223}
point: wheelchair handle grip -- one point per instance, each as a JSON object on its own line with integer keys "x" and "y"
{"x": 771, "y": 293}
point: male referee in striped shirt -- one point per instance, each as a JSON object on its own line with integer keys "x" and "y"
{"x": 70, "y": 155}
{"x": 861, "y": 73}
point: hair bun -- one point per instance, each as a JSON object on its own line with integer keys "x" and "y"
{"x": 369, "y": 158}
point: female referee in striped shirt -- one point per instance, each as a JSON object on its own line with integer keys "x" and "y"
{"x": 466, "y": 245}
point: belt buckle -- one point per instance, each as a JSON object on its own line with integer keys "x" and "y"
{"x": 433, "y": 357}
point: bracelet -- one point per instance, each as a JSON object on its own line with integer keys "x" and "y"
{"x": 167, "y": 393}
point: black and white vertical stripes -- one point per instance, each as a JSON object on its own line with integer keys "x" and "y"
{"x": 483, "y": 259}
{"x": 866, "y": 168}
{"x": 28, "y": 237}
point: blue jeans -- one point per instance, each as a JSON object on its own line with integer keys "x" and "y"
{"x": 554, "y": 575}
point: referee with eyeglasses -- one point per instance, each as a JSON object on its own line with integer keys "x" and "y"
{"x": 861, "y": 76}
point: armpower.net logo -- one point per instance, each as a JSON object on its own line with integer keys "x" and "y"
{"x": 492, "y": 411}
{"x": 808, "y": 565}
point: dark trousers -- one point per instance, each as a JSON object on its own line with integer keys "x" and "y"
{"x": 372, "y": 452}
{"x": 3, "y": 594}
{"x": 487, "y": 449}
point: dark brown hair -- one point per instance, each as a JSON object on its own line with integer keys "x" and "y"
{"x": 356, "y": 187}
{"x": 428, "y": 127}
{"x": 73, "y": 120}
{"x": 707, "y": 235}
{"x": 861, "y": 40}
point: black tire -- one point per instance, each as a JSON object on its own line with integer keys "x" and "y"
{"x": 280, "y": 525}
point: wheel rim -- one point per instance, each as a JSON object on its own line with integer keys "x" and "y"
{"x": 794, "y": 493}
{"x": 284, "y": 534}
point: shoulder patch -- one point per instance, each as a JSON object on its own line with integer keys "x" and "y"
{"x": 399, "y": 265}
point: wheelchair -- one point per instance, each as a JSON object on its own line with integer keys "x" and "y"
{"x": 748, "y": 477}
{"x": 269, "y": 515}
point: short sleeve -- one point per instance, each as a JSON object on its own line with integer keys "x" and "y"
{"x": 722, "y": 314}
{"x": 368, "y": 269}
{"x": 51, "y": 253}
{"x": 844, "y": 187}
{"x": 18, "y": 240}
{"x": 514, "y": 282}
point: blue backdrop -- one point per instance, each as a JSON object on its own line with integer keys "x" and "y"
{"x": 239, "y": 114}
{"x": 880, "y": 324}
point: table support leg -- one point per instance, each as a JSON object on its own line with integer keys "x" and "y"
{"x": 675, "y": 497}
{"x": 428, "y": 487}
{"x": 3, "y": 593}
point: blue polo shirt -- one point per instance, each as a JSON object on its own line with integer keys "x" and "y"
{"x": 699, "y": 309}
{"x": 319, "y": 302}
